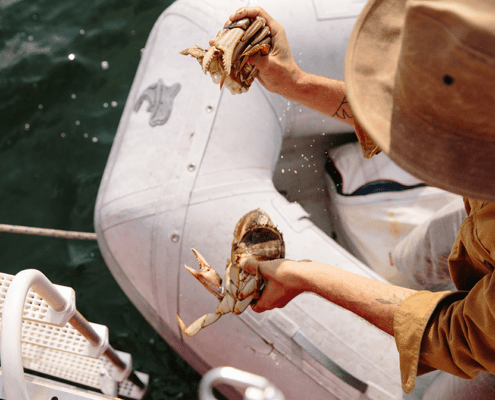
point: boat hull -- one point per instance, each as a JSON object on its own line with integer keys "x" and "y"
{"x": 187, "y": 162}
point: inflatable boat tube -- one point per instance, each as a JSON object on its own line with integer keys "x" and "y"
{"x": 187, "y": 162}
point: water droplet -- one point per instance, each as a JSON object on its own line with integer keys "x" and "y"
{"x": 82, "y": 32}
{"x": 72, "y": 56}
{"x": 114, "y": 104}
{"x": 191, "y": 167}
{"x": 73, "y": 96}
{"x": 78, "y": 122}
{"x": 86, "y": 135}
{"x": 62, "y": 134}
{"x": 26, "y": 127}
{"x": 175, "y": 238}
{"x": 40, "y": 106}
{"x": 295, "y": 171}
{"x": 283, "y": 171}
{"x": 104, "y": 65}
{"x": 30, "y": 38}
{"x": 133, "y": 33}
{"x": 95, "y": 139}
{"x": 209, "y": 109}
{"x": 105, "y": 105}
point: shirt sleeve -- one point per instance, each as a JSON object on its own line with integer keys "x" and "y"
{"x": 410, "y": 321}
{"x": 450, "y": 331}
{"x": 368, "y": 146}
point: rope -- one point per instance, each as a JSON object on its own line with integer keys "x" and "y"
{"x": 56, "y": 233}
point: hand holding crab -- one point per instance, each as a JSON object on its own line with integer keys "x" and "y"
{"x": 255, "y": 236}
{"x": 226, "y": 59}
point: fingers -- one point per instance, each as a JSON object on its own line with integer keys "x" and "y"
{"x": 265, "y": 303}
{"x": 273, "y": 296}
{"x": 251, "y": 12}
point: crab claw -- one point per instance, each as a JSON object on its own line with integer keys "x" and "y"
{"x": 207, "y": 276}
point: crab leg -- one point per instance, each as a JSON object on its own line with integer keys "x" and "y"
{"x": 250, "y": 78}
{"x": 205, "y": 320}
{"x": 262, "y": 47}
{"x": 258, "y": 24}
{"x": 227, "y": 44}
{"x": 260, "y": 35}
{"x": 207, "y": 276}
{"x": 241, "y": 23}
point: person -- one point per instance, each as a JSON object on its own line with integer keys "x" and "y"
{"x": 419, "y": 86}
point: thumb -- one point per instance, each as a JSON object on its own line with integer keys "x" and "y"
{"x": 249, "y": 264}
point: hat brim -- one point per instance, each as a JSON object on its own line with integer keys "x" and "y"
{"x": 457, "y": 163}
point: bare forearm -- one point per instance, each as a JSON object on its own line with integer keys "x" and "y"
{"x": 372, "y": 300}
{"x": 320, "y": 93}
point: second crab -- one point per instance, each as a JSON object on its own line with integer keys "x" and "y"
{"x": 226, "y": 59}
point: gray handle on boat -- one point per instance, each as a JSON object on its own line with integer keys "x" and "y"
{"x": 257, "y": 387}
{"x": 302, "y": 340}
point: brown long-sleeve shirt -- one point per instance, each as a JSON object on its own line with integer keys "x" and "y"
{"x": 454, "y": 331}
{"x": 451, "y": 331}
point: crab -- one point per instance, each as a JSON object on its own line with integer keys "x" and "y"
{"x": 256, "y": 236}
{"x": 226, "y": 59}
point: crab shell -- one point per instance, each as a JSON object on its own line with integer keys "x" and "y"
{"x": 226, "y": 59}
{"x": 256, "y": 235}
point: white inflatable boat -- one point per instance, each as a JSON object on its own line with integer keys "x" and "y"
{"x": 188, "y": 161}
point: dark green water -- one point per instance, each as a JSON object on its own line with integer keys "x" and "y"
{"x": 58, "y": 118}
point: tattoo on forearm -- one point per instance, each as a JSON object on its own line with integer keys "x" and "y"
{"x": 343, "y": 112}
{"x": 393, "y": 300}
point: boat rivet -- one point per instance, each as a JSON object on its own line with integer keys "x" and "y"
{"x": 175, "y": 238}
{"x": 209, "y": 109}
{"x": 191, "y": 167}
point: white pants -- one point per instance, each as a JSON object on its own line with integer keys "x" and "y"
{"x": 422, "y": 255}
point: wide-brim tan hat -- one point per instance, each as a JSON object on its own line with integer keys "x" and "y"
{"x": 420, "y": 79}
